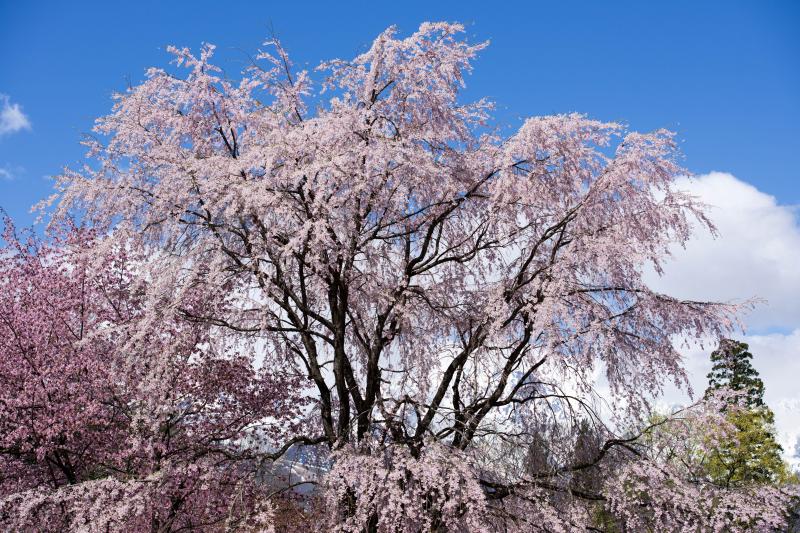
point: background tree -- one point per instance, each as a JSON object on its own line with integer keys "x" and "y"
{"x": 95, "y": 438}
{"x": 733, "y": 369}
{"x": 751, "y": 455}
{"x": 678, "y": 446}
{"x": 588, "y": 443}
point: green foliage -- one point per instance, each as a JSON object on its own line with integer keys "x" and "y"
{"x": 751, "y": 455}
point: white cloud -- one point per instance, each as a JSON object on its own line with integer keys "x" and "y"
{"x": 9, "y": 172}
{"x": 12, "y": 119}
{"x": 756, "y": 254}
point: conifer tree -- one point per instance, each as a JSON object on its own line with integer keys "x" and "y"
{"x": 751, "y": 455}
{"x": 733, "y": 369}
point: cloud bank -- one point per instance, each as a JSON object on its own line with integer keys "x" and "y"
{"x": 757, "y": 254}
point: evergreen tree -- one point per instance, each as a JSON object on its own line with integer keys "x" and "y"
{"x": 587, "y": 446}
{"x": 588, "y": 442}
{"x": 751, "y": 455}
{"x": 733, "y": 369}
{"x": 539, "y": 460}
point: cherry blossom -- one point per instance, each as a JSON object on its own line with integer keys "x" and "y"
{"x": 106, "y": 426}
{"x": 355, "y": 258}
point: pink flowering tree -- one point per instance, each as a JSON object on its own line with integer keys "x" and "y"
{"x": 55, "y": 424}
{"x": 439, "y": 302}
{"x": 108, "y": 425}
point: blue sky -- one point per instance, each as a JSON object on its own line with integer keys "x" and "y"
{"x": 725, "y": 76}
